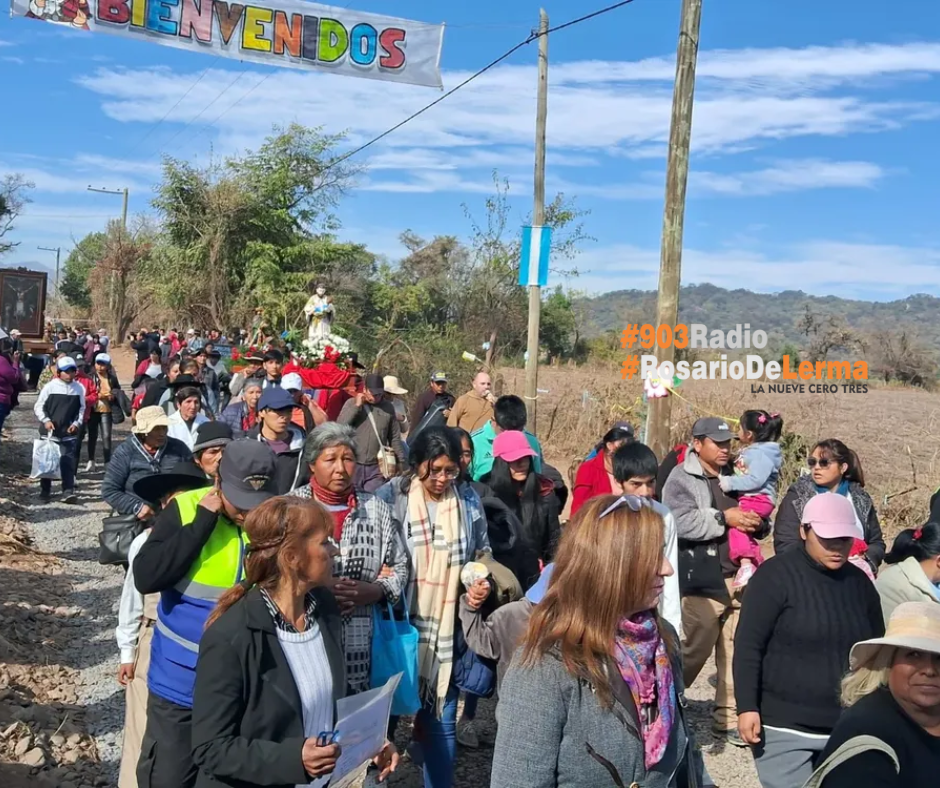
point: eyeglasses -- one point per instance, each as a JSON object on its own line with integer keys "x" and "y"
{"x": 449, "y": 475}
{"x": 812, "y": 462}
{"x": 634, "y": 502}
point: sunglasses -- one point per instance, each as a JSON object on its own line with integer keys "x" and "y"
{"x": 634, "y": 502}
{"x": 812, "y": 462}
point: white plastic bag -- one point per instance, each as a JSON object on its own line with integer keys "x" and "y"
{"x": 46, "y": 456}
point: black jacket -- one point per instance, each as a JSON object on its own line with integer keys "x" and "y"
{"x": 292, "y": 471}
{"x": 801, "y": 492}
{"x": 248, "y": 727}
{"x": 131, "y": 462}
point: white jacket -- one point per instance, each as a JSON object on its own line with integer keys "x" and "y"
{"x": 904, "y": 582}
{"x": 670, "y": 606}
{"x": 180, "y": 431}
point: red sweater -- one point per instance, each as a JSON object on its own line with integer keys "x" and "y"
{"x": 590, "y": 481}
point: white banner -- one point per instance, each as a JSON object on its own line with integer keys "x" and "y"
{"x": 275, "y": 32}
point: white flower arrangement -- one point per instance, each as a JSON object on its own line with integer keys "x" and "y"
{"x": 329, "y": 348}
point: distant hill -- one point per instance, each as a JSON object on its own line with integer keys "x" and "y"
{"x": 775, "y": 313}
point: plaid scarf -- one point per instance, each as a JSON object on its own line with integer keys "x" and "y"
{"x": 438, "y": 557}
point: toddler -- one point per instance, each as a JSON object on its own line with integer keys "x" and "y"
{"x": 755, "y": 478}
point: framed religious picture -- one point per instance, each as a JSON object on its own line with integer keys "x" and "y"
{"x": 22, "y": 301}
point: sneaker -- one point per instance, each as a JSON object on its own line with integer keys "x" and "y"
{"x": 743, "y": 575}
{"x": 90, "y": 467}
{"x": 69, "y": 496}
{"x": 467, "y": 733}
{"x": 732, "y": 737}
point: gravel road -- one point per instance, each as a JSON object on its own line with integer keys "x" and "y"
{"x": 70, "y": 532}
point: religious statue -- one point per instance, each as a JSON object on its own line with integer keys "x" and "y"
{"x": 320, "y": 313}
{"x": 258, "y": 327}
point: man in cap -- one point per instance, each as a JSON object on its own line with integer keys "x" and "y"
{"x": 286, "y": 440}
{"x": 60, "y": 409}
{"x": 194, "y": 555}
{"x": 377, "y": 432}
{"x": 710, "y": 606}
{"x": 307, "y": 414}
{"x": 211, "y": 438}
{"x": 435, "y": 395}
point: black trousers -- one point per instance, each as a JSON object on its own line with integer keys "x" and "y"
{"x": 166, "y": 759}
{"x": 99, "y": 424}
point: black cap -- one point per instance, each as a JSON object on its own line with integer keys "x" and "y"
{"x": 247, "y": 474}
{"x": 212, "y": 433}
{"x": 354, "y": 360}
{"x": 181, "y": 477}
{"x": 711, "y": 427}
{"x": 185, "y": 380}
{"x": 375, "y": 384}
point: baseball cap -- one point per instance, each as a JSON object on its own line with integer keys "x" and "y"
{"x": 710, "y": 427}
{"x": 102, "y": 358}
{"x": 292, "y": 382}
{"x": 212, "y": 433}
{"x": 832, "y": 516}
{"x": 439, "y": 377}
{"x": 375, "y": 384}
{"x": 512, "y": 445}
{"x": 66, "y": 363}
{"x": 275, "y": 398}
{"x": 246, "y": 474}
{"x": 149, "y": 418}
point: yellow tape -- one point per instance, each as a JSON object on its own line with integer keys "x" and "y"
{"x": 699, "y": 408}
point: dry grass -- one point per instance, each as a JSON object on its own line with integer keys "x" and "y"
{"x": 894, "y": 430}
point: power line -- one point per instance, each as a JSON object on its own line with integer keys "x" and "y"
{"x": 533, "y": 36}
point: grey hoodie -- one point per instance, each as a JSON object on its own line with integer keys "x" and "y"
{"x": 498, "y": 636}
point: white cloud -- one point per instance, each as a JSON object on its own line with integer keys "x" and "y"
{"x": 789, "y": 176}
{"x": 848, "y": 270}
{"x": 745, "y": 99}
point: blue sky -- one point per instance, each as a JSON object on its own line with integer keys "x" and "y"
{"x": 814, "y": 160}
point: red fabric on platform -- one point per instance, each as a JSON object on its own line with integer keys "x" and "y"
{"x": 325, "y": 376}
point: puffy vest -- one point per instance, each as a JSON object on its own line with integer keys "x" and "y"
{"x": 185, "y": 608}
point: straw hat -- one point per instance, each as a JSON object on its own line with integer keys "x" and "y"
{"x": 913, "y": 625}
{"x": 393, "y": 386}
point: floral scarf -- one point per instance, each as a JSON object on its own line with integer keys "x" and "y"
{"x": 641, "y": 656}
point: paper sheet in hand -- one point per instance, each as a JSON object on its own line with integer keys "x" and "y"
{"x": 362, "y": 729}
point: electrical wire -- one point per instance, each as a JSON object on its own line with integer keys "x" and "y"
{"x": 534, "y": 36}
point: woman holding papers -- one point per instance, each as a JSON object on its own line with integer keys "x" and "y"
{"x": 271, "y": 664}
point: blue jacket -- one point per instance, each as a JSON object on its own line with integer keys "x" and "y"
{"x": 756, "y": 471}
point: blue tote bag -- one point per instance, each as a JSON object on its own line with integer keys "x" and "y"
{"x": 395, "y": 650}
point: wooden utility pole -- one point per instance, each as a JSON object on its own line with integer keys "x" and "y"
{"x": 677, "y": 176}
{"x": 538, "y": 218}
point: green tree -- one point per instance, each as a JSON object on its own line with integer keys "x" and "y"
{"x": 13, "y": 198}
{"x": 80, "y": 262}
{"x": 252, "y": 230}
{"x": 557, "y": 328}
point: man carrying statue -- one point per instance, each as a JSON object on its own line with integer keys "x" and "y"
{"x": 320, "y": 313}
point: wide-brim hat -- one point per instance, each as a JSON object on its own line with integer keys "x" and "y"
{"x": 183, "y": 476}
{"x": 393, "y": 386}
{"x": 185, "y": 380}
{"x": 913, "y": 625}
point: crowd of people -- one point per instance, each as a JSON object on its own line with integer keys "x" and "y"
{"x": 271, "y": 531}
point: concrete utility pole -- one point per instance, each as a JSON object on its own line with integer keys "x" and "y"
{"x": 677, "y": 176}
{"x": 538, "y": 219}
{"x": 58, "y": 253}
{"x": 123, "y": 192}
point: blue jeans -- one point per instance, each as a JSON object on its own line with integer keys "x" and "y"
{"x": 439, "y": 741}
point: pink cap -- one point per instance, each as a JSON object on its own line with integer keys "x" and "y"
{"x": 512, "y": 445}
{"x": 832, "y": 516}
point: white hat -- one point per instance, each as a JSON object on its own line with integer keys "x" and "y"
{"x": 15, "y": 332}
{"x": 66, "y": 363}
{"x": 292, "y": 382}
{"x": 913, "y": 625}
{"x": 392, "y": 386}
{"x": 102, "y": 358}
